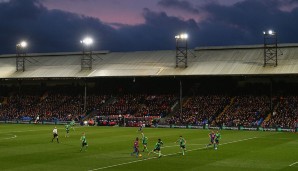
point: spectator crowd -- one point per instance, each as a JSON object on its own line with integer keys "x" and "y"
{"x": 65, "y": 103}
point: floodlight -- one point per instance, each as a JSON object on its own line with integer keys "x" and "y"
{"x": 87, "y": 41}
{"x": 22, "y": 44}
{"x": 181, "y": 36}
{"x": 184, "y": 36}
{"x": 270, "y": 32}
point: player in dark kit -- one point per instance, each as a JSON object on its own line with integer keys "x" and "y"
{"x": 212, "y": 138}
{"x": 67, "y": 130}
{"x": 157, "y": 148}
{"x": 217, "y": 138}
{"x": 84, "y": 142}
{"x": 136, "y": 147}
{"x": 144, "y": 142}
{"x": 72, "y": 124}
{"x": 182, "y": 143}
{"x": 140, "y": 128}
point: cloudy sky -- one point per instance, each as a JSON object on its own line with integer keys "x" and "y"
{"x": 137, "y": 25}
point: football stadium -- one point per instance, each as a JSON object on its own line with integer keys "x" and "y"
{"x": 208, "y": 108}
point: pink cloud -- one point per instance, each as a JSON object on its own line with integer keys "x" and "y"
{"x": 124, "y": 11}
{"x": 113, "y": 11}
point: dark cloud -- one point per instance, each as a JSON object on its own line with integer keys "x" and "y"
{"x": 246, "y": 20}
{"x": 157, "y": 32}
{"x": 287, "y": 2}
{"x": 242, "y": 22}
{"x": 177, "y": 4}
{"x": 46, "y": 31}
{"x": 57, "y": 31}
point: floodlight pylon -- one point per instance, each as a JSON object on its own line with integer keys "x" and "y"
{"x": 86, "y": 60}
{"x": 181, "y": 49}
{"x": 21, "y": 56}
{"x": 270, "y": 48}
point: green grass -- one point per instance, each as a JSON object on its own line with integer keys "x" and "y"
{"x": 29, "y": 147}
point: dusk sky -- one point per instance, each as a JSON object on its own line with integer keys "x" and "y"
{"x": 137, "y": 25}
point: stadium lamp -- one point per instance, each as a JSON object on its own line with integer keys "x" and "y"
{"x": 22, "y": 44}
{"x": 270, "y": 32}
{"x": 87, "y": 41}
{"x": 181, "y": 36}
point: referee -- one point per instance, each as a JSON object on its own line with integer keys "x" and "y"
{"x": 55, "y": 134}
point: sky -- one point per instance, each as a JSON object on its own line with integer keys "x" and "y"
{"x": 142, "y": 25}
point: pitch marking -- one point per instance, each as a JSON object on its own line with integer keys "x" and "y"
{"x": 293, "y": 164}
{"x": 126, "y": 163}
{"x": 14, "y": 136}
{"x": 179, "y": 145}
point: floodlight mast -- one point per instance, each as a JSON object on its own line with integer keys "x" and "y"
{"x": 181, "y": 49}
{"x": 270, "y": 48}
{"x": 21, "y": 55}
{"x": 86, "y": 60}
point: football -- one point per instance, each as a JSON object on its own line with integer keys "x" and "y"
{"x": 140, "y": 155}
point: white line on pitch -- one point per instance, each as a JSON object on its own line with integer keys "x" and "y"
{"x": 19, "y": 131}
{"x": 293, "y": 164}
{"x": 34, "y": 130}
{"x": 136, "y": 161}
{"x": 31, "y": 130}
{"x": 14, "y": 136}
{"x": 179, "y": 145}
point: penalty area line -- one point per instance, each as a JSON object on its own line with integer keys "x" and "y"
{"x": 136, "y": 161}
{"x": 293, "y": 164}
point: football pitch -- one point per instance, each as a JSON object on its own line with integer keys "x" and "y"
{"x": 29, "y": 148}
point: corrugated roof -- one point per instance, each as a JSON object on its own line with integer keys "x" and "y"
{"x": 229, "y": 60}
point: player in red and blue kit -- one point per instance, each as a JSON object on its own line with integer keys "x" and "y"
{"x": 212, "y": 138}
{"x": 136, "y": 147}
